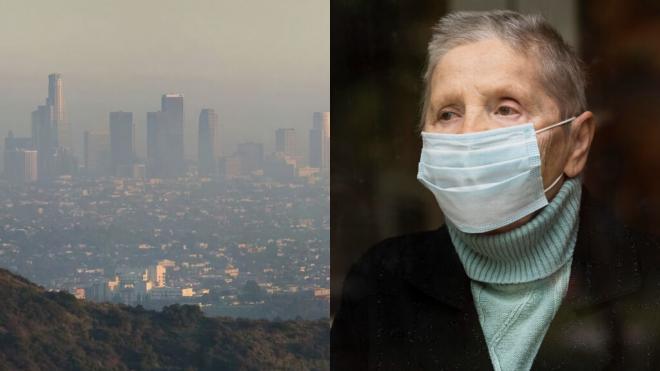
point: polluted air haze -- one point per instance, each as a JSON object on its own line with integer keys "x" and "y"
{"x": 260, "y": 64}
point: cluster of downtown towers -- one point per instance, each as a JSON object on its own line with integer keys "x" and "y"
{"x": 48, "y": 154}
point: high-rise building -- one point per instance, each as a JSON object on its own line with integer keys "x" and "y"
{"x": 122, "y": 142}
{"x": 21, "y": 166}
{"x": 30, "y": 158}
{"x": 315, "y": 148}
{"x": 97, "y": 157}
{"x": 319, "y": 141}
{"x": 51, "y": 133}
{"x": 283, "y": 164}
{"x": 55, "y": 96}
{"x": 208, "y": 142}
{"x": 44, "y": 139}
{"x": 56, "y": 100}
{"x": 14, "y": 143}
{"x": 281, "y": 167}
{"x": 154, "y": 141}
{"x": 20, "y": 160}
{"x": 172, "y": 108}
{"x": 165, "y": 156}
{"x": 285, "y": 141}
{"x": 156, "y": 274}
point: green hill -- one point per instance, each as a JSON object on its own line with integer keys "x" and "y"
{"x": 42, "y": 330}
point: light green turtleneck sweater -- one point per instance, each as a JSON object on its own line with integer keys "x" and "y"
{"x": 520, "y": 277}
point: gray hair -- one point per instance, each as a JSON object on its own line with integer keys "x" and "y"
{"x": 560, "y": 69}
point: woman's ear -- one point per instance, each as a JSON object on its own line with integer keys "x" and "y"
{"x": 582, "y": 134}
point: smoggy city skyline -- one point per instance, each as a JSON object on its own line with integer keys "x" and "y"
{"x": 258, "y": 76}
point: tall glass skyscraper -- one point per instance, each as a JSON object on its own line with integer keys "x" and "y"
{"x": 208, "y": 142}
{"x": 56, "y": 100}
{"x": 122, "y": 142}
{"x": 319, "y": 141}
{"x": 285, "y": 141}
{"x": 165, "y": 156}
{"x": 51, "y": 133}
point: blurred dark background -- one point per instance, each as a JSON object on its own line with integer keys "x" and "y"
{"x": 378, "y": 51}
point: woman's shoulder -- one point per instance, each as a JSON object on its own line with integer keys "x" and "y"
{"x": 394, "y": 260}
{"x": 392, "y": 252}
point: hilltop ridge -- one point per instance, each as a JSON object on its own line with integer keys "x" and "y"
{"x": 52, "y": 330}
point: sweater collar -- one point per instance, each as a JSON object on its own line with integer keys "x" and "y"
{"x": 530, "y": 252}
{"x": 605, "y": 265}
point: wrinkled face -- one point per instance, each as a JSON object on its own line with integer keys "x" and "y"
{"x": 487, "y": 85}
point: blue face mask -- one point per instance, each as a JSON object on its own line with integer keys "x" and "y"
{"x": 485, "y": 180}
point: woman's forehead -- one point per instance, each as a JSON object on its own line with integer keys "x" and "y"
{"x": 489, "y": 63}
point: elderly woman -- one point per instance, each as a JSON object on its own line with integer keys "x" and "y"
{"x": 528, "y": 271}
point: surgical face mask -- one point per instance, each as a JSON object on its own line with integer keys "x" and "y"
{"x": 485, "y": 180}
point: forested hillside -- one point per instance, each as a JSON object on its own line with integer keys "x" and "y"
{"x": 42, "y": 330}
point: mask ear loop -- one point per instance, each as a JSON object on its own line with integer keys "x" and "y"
{"x": 554, "y": 183}
{"x": 555, "y": 125}
{"x": 548, "y": 128}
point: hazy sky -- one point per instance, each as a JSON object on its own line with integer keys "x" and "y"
{"x": 260, "y": 64}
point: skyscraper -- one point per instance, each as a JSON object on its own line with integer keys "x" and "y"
{"x": 44, "y": 139}
{"x": 21, "y": 166}
{"x": 172, "y": 108}
{"x": 208, "y": 142}
{"x": 319, "y": 141}
{"x": 56, "y": 100}
{"x": 285, "y": 141}
{"x": 29, "y": 157}
{"x": 51, "y": 133}
{"x": 155, "y": 141}
{"x": 285, "y": 161}
{"x": 165, "y": 154}
{"x": 122, "y": 142}
{"x": 13, "y": 143}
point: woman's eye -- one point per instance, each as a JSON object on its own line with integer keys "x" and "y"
{"x": 505, "y": 111}
{"x": 446, "y": 115}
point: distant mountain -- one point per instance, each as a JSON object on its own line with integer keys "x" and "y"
{"x": 43, "y": 330}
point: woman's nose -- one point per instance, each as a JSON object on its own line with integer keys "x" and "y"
{"x": 473, "y": 123}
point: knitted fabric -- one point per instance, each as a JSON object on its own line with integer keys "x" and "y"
{"x": 520, "y": 277}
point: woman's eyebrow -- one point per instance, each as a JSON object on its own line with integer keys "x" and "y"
{"x": 503, "y": 90}
{"x": 512, "y": 91}
{"x": 441, "y": 98}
